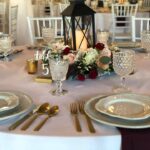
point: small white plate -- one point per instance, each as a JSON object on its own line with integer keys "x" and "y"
{"x": 125, "y": 106}
{"x": 8, "y": 101}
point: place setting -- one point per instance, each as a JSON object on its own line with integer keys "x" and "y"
{"x": 28, "y": 116}
{"x": 74, "y": 74}
{"x": 117, "y": 110}
{"x": 14, "y": 104}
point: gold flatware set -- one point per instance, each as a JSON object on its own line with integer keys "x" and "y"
{"x": 44, "y": 109}
{"x": 75, "y": 109}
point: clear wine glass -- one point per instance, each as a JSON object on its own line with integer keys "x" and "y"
{"x": 123, "y": 64}
{"x": 58, "y": 70}
{"x": 5, "y": 46}
{"x": 145, "y": 42}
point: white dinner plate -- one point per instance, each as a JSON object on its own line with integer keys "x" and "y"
{"x": 112, "y": 121}
{"x": 8, "y": 101}
{"x": 25, "y": 105}
{"x": 125, "y": 106}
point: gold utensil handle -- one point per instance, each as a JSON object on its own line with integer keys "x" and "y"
{"x": 19, "y": 122}
{"x": 77, "y": 123}
{"x": 39, "y": 126}
{"x": 90, "y": 125}
{"x": 27, "y": 124}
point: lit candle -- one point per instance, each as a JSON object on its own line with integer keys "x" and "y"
{"x": 79, "y": 38}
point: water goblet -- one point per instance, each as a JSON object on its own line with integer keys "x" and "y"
{"x": 123, "y": 64}
{"x": 58, "y": 70}
{"x": 145, "y": 42}
{"x": 5, "y": 46}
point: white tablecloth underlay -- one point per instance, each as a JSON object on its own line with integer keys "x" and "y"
{"x": 59, "y": 132}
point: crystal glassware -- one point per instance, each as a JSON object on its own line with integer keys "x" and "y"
{"x": 145, "y": 42}
{"x": 5, "y": 46}
{"x": 58, "y": 70}
{"x": 123, "y": 64}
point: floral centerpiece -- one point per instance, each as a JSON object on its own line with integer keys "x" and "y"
{"x": 84, "y": 64}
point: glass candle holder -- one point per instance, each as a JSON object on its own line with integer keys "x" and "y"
{"x": 32, "y": 66}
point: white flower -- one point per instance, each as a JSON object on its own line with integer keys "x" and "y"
{"x": 79, "y": 55}
{"x": 91, "y": 56}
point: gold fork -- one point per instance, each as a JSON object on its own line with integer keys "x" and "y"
{"x": 82, "y": 111}
{"x": 74, "y": 112}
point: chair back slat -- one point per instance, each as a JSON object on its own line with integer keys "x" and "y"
{"x": 146, "y": 4}
{"x": 144, "y": 25}
{"x": 38, "y": 28}
{"x": 13, "y": 19}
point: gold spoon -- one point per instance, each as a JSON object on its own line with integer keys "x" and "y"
{"x": 52, "y": 112}
{"x": 40, "y": 111}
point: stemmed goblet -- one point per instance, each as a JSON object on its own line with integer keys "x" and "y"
{"x": 123, "y": 64}
{"x": 145, "y": 42}
{"x": 58, "y": 70}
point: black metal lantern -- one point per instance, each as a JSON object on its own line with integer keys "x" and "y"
{"x": 79, "y": 25}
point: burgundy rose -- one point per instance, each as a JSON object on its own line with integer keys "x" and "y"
{"x": 66, "y": 51}
{"x": 81, "y": 77}
{"x": 93, "y": 74}
{"x": 99, "y": 46}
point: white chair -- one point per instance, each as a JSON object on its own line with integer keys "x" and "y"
{"x": 62, "y": 6}
{"x": 121, "y": 15}
{"x": 2, "y": 16}
{"x": 13, "y": 16}
{"x": 36, "y": 24}
{"x": 139, "y": 23}
{"x": 146, "y": 4}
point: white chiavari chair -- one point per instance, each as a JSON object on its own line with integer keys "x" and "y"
{"x": 2, "y": 16}
{"x": 144, "y": 24}
{"x": 36, "y": 24}
{"x": 121, "y": 15}
{"x": 13, "y": 16}
{"x": 146, "y": 4}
